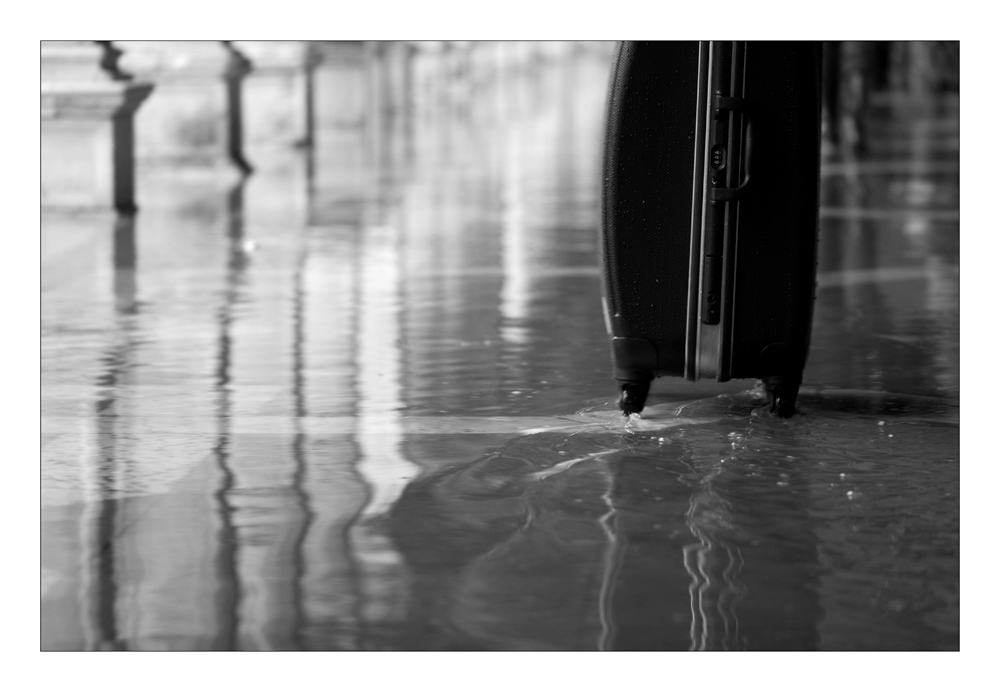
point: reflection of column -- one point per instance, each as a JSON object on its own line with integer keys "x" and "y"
{"x": 328, "y": 587}
{"x": 865, "y": 300}
{"x": 382, "y": 465}
{"x": 514, "y": 296}
{"x": 102, "y": 516}
{"x": 830, "y": 312}
{"x": 552, "y": 119}
{"x": 104, "y": 460}
{"x": 646, "y": 604}
{"x": 261, "y": 499}
{"x": 268, "y": 520}
{"x": 196, "y": 114}
{"x": 452, "y": 252}
{"x": 142, "y": 552}
{"x": 773, "y": 579}
{"x": 943, "y": 304}
{"x": 169, "y": 586}
{"x": 66, "y": 542}
{"x": 508, "y": 552}
{"x": 110, "y": 473}
{"x": 333, "y": 492}
{"x": 378, "y": 365}
{"x": 714, "y": 566}
{"x": 745, "y": 582}
{"x": 172, "y": 591}
{"x": 299, "y": 452}
{"x": 87, "y": 144}
{"x": 124, "y": 258}
{"x": 942, "y": 275}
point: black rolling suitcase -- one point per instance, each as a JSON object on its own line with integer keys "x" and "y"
{"x": 710, "y": 213}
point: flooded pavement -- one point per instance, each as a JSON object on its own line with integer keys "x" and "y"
{"x": 362, "y": 401}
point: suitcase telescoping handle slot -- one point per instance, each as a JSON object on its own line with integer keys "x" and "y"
{"x": 731, "y": 194}
{"x": 713, "y": 263}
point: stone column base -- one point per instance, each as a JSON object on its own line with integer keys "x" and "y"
{"x": 88, "y": 144}
{"x": 195, "y": 118}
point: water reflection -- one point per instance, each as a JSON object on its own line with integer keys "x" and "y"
{"x": 105, "y": 464}
{"x": 382, "y": 465}
{"x": 294, "y": 412}
{"x": 714, "y": 620}
{"x": 887, "y": 232}
{"x": 538, "y": 549}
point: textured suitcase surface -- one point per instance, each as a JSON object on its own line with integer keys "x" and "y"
{"x": 657, "y": 180}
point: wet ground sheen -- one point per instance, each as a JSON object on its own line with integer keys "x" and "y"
{"x": 362, "y": 400}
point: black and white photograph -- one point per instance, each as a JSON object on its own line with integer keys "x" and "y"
{"x": 499, "y": 345}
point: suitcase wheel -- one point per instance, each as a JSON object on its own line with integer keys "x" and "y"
{"x": 633, "y": 397}
{"x": 781, "y": 395}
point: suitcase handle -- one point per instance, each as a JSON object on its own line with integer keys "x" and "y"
{"x": 732, "y": 194}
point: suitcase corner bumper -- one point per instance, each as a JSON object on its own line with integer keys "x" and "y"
{"x": 634, "y": 359}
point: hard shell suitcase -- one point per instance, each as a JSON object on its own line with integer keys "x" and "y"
{"x": 710, "y": 212}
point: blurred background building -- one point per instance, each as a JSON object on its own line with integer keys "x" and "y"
{"x": 110, "y": 108}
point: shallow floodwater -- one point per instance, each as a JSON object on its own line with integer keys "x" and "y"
{"x": 362, "y": 400}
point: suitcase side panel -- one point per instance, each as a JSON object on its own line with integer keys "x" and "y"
{"x": 647, "y": 198}
{"x": 775, "y": 269}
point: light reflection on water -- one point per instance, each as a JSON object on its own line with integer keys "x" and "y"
{"x": 365, "y": 418}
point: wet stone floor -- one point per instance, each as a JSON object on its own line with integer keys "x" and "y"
{"x": 362, "y": 400}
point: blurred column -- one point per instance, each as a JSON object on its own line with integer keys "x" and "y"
{"x": 168, "y": 550}
{"x": 550, "y": 203}
{"x": 277, "y": 132}
{"x": 387, "y": 122}
{"x": 339, "y": 166}
{"x": 266, "y": 495}
{"x": 936, "y": 241}
{"x": 918, "y": 70}
{"x": 932, "y": 66}
{"x": 855, "y": 83}
{"x": 176, "y": 553}
{"x": 328, "y": 286}
{"x": 389, "y": 71}
{"x": 428, "y": 77}
{"x": 382, "y": 465}
{"x": 515, "y": 294}
{"x": 78, "y": 465}
{"x": 452, "y": 241}
{"x": 275, "y": 95}
{"x": 831, "y": 91}
{"x": 197, "y": 115}
{"x": 87, "y": 110}
{"x": 334, "y": 491}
